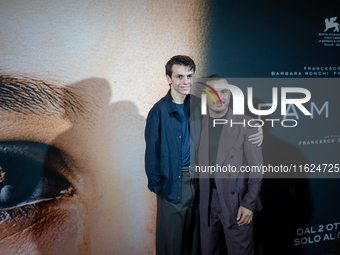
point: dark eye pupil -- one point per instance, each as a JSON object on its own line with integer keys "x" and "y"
{"x": 27, "y": 177}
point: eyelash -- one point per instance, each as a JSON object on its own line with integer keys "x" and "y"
{"x": 30, "y": 177}
{"x": 181, "y": 77}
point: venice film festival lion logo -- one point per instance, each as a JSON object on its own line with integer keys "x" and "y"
{"x": 329, "y": 23}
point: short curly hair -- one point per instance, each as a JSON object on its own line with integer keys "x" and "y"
{"x": 179, "y": 60}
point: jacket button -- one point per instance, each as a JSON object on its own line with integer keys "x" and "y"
{"x": 180, "y": 137}
{"x": 233, "y": 193}
{"x": 232, "y": 156}
{"x": 179, "y": 176}
{"x": 229, "y": 175}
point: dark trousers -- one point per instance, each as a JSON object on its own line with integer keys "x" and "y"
{"x": 177, "y": 225}
{"x": 238, "y": 240}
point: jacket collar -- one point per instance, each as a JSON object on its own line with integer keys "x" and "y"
{"x": 227, "y": 139}
{"x": 170, "y": 105}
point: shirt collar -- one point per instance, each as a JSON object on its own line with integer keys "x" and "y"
{"x": 170, "y": 105}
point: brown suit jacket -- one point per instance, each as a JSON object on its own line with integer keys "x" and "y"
{"x": 234, "y": 189}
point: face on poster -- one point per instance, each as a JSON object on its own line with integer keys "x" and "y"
{"x": 77, "y": 79}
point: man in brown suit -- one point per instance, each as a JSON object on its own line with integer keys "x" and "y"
{"x": 227, "y": 199}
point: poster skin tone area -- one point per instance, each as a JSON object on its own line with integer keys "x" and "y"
{"x": 77, "y": 80}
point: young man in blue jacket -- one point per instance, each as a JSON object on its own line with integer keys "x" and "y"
{"x": 167, "y": 163}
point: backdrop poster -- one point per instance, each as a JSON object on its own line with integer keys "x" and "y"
{"x": 77, "y": 79}
{"x": 289, "y": 44}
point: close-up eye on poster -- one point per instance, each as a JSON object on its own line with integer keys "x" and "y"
{"x": 158, "y": 127}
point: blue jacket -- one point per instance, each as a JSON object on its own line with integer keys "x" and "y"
{"x": 163, "y": 134}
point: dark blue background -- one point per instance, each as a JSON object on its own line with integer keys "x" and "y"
{"x": 254, "y": 38}
{"x": 251, "y": 39}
